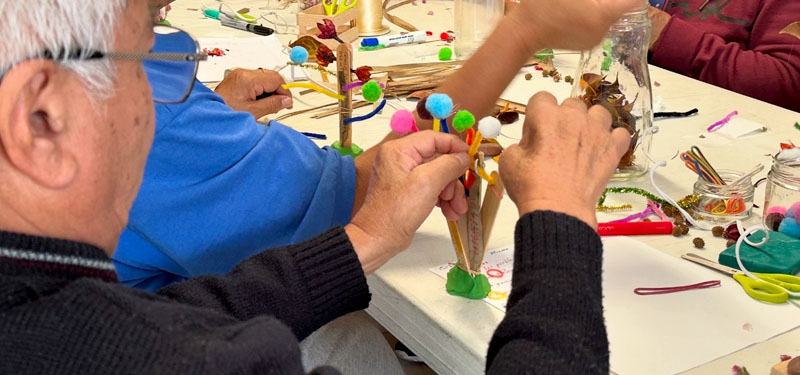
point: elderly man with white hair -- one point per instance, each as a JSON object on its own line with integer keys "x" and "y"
{"x": 76, "y": 123}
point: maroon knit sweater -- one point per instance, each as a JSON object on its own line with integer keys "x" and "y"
{"x": 735, "y": 44}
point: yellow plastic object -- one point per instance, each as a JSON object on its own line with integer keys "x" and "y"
{"x": 765, "y": 291}
{"x": 333, "y": 7}
{"x": 314, "y": 87}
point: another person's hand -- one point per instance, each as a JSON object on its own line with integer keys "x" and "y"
{"x": 565, "y": 158}
{"x": 241, "y": 88}
{"x": 410, "y": 176}
{"x": 659, "y": 18}
{"x": 574, "y": 24}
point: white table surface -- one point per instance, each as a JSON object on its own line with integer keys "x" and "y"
{"x": 452, "y": 333}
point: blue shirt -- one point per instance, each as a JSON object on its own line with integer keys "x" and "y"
{"x": 219, "y": 187}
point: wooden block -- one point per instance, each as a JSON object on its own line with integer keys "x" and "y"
{"x": 345, "y": 24}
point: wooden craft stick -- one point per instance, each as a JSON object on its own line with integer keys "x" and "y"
{"x": 458, "y": 245}
{"x": 474, "y": 233}
{"x": 491, "y": 204}
{"x": 344, "y": 63}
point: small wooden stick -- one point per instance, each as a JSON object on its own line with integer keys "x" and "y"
{"x": 474, "y": 232}
{"x": 344, "y": 63}
{"x": 491, "y": 204}
{"x": 458, "y": 244}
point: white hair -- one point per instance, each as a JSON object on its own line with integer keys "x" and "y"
{"x": 31, "y": 28}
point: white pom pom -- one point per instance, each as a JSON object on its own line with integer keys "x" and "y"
{"x": 489, "y": 127}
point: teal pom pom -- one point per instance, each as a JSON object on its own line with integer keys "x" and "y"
{"x": 463, "y": 120}
{"x": 371, "y": 91}
{"x": 298, "y": 55}
{"x": 439, "y": 105}
{"x": 789, "y": 227}
{"x": 445, "y": 54}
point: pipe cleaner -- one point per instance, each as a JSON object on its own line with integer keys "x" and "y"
{"x": 720, "y": 123}
{"x": 368, "y": 116}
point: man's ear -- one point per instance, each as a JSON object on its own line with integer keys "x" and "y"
{"x": 32, "y": 123}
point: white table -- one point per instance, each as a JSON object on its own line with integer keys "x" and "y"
{"x": 410, "y": 301}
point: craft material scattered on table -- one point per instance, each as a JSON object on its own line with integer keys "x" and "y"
{"x": 634, "y": 228}
{"x": 445, "y": 54}
{"x": 247, "y": 53}
{"x": 244, "y": 26}
{"x": 315, "y": 135}
{"x": 333, "y": 7}
{"x": 675, "y": 340}
{"x": 779, "y": 254}
{"x": 395, "y": 40}
{"x": 769, "y": 289}
{"x": 722, "y": 122}
{"x": 688, "y": 113}
{"x": 647, "y": 291}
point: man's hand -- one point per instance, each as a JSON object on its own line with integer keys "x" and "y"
{"x": 574, "y": 24}
{"x": 241, "y": 88}
{"x": 410, "y": 176}
{"x": 659, "y": 18}
{"x": 565, "y": 158}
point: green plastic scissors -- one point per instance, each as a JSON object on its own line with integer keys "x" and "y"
{"x": 333, "y": 7}
{"x": 771, "y": 288}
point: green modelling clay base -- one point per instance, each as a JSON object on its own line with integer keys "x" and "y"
{"x": 353, "y": 151}
{"x": 461, "y": 283}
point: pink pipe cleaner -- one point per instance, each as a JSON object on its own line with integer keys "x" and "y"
{"x": 720, "y": 123}
{"x": 641, "y": 215}
{"x": 657, "y": 210}
{"x": 357, "y": 84}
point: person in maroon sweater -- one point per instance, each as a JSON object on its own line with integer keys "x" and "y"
{"x": 734, "y": 44}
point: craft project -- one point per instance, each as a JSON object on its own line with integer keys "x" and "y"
{"x": 372, "y": 91}
{"x": 470, "y": 234}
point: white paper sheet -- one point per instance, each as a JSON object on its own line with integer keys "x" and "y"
{"x": 249, "y": 53}
{"x": 670, "y": 333}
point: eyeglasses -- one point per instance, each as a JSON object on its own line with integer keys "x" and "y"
{"x": 171, "y": 66}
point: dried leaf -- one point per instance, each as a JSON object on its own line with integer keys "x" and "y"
{"x": 793, "y": 29}
{"x": 309, "y": 43}
{"x": 325, "y": 56}
{"x": 599, "y": 91}
{"x": 509, "y": 117}
{"x": 364, "y": 73}
{"x": 243, "y": 11}
{"x": 327, "y": 29}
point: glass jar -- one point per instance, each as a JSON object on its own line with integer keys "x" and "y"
{"x": 474, "y": 21}
{"x": 724, "y": 203}
{"x": 782, "y": 193}
{"x": 615, "y": 75}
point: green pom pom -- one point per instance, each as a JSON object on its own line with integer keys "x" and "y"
{"x": 445, "y": 54}
{"x": 463, "y": 120}
{"x": 371, "y": 91}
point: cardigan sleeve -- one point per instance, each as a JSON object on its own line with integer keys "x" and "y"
{"x": 305, "y": 285}
{"x": 554, "y": 320}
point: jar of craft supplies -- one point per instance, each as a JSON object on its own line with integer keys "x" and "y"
{"x": 724, "y": 203}
{"x": 474, "y": 21}
{"x": 615, "y": 75}
{"x": 782, "y": 197}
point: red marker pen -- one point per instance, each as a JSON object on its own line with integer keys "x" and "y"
{"x": 634, "y": 228}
